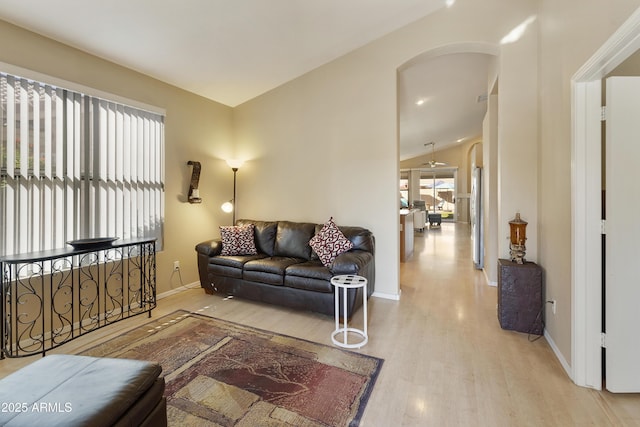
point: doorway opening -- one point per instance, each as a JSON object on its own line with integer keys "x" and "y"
{"x": 435, "y": 192}
{"x": 587, "y": 295}
{"x": 435, "y": 109}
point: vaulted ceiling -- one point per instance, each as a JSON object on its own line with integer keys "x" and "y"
{"x": 233, "y": 51}
{"x": 442, "y": 100}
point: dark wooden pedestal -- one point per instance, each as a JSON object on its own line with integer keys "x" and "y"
{"x": 520, "y": 298}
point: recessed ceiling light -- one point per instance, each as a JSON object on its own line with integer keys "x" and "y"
{"x": 420, "y": 101}
{"x": 450, "y": 3}
{"x": 460, "y": 140}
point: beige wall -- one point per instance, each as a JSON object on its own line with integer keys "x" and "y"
{"x": 195, "y": 129}
{"x": 517, "y": 157}
{"x": 490, "y": 188}
{"x": 327, "y": 141}
{"x": 571, "y": 32}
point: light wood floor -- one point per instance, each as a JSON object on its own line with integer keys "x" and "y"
{"x": 447, "y": 362}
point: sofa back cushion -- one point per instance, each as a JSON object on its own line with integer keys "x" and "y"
{"x": 297, "y": 235}
{"x": 292, "y": 239}
{"x": 361, "y": 238}
{"x": 265, "y": 234}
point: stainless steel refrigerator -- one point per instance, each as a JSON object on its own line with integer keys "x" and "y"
{"x": 477, "y": 232}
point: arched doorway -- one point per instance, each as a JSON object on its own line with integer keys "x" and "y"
{"x": 442, "y": 98}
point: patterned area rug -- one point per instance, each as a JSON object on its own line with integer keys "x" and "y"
{"x": 220, "y": 373}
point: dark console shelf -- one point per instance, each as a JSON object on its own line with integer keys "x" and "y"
{"x": 49, "y": 298}
{"x": 520, "y": 297}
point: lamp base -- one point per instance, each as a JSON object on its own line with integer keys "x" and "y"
{"x": 517, "y": 252}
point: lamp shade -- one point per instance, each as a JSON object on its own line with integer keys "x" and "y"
{"x": 235, "y": 163}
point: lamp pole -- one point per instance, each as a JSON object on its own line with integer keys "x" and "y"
{"x": 234, "y": 164}
{"x": 234, "y": 196}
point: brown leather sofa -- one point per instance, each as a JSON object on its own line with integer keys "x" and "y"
{"x": 72, "y": 391}
{"x": 286, "y": 271}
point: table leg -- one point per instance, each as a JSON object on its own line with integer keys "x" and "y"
{"x": 364, "y": 307}
{"x": 344, "y": 313}
{"x": 336, "y": 311}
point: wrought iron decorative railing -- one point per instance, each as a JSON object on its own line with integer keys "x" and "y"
{"x": 51, "y": 297}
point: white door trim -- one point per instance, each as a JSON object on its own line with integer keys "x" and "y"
{"x": 586, "y": 201}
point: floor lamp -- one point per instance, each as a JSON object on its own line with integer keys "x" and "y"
{"x": 230, "y": 206}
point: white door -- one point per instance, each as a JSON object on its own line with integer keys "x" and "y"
{"x": 622, "y": 259}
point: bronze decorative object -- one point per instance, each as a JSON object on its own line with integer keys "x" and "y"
{"x": 518, "y": 236}
{"x": 194, "y": 193}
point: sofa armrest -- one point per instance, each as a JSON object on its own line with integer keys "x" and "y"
{"x": 351, "y": 262}
{"x": 210, "y": 247}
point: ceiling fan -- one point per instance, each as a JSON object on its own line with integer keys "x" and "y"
{"x": 433, "y": 162}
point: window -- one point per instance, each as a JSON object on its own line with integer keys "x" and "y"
{"x": 76, "y": 166}
{"x": 437, "y": 189}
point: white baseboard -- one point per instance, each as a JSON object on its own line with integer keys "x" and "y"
{"x": 558, "y": 354}
{"x": 193, "y": 285}
{"x": 395, "y": 297}
{"x": 486, "y": 278}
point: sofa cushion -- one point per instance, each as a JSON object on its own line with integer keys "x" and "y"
{"x": 237, "y": 240}
{"x": 265, "y": 234}
{"x": 314, "y": 255}
{"x": 268, "y": 270}
{"x": 292, "y": 239}
{"x": 330, "y": 242}
{"x": 311, "y": 269}
{"x": 231, "y": 266}
{"x": 310, "y": 275}
{"x": 308, "y": 284}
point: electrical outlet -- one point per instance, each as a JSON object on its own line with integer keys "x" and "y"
{"x": 176, "y": 267}
{"x": 553, "y": 306}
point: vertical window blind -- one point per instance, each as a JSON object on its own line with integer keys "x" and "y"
{"x": 75, "y": 166}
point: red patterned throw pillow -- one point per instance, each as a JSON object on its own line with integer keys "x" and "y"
{"x": 329, "y": 243}
{"x": 237, "y": 240}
